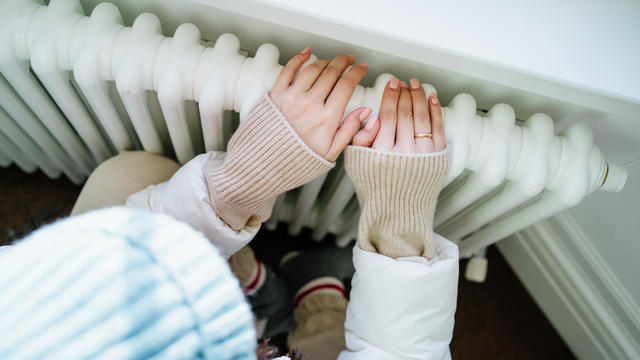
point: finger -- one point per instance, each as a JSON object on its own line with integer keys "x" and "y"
{"x": 387, "y": 116}
{"x": 366, "y": 136}
{"x": 289, "y": 71}
{"x": 404, "y": 131}
{"x": 330, "y": 75}
{"x": 346, "y": 131}
{"x": 435, "y": 111}
{"x": 308, "y": 76}
{"x": 421, "y": 119}
{"x": 341, "y": 93}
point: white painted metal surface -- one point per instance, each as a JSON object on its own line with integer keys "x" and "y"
{"x": 504, "y": 175}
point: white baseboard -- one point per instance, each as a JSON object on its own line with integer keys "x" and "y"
{"x": 576, "y": 289}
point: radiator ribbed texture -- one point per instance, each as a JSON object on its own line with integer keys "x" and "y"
{"x": 397, "y": 195}
{"x": 265, "y": 157}
{"x": 120, "y": 284}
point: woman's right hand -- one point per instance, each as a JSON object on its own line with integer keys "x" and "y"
{"x": 314, "y": 101}
{"x": 404, "y": 112}
{"x": 289, "y": 138}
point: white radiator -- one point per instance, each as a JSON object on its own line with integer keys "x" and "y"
{"x": 76, "y": 90}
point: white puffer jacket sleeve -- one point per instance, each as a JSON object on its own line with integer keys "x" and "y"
{"x": 402, "y": 308}
{"x": 227, "y": 195}
{"x": 186, "y": 197}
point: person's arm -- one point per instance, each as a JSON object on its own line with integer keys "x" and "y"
{"x": 404, "y": 290}
{"x": 185, "y": 197}
{"x": 292, "y": 135}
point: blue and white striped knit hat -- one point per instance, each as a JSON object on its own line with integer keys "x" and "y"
{"x": 120, "y": 283}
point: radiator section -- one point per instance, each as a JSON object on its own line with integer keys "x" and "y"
{"x": 68, "y": 78}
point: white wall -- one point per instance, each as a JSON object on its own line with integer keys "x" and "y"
{"x": 591, "y": 44}
{"x": 612, "y": 223}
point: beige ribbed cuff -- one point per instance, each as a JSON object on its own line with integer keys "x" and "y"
{"x": 244, "y": 265}
{"x": 265, "y": 157}
{"x": 397, "y": 195}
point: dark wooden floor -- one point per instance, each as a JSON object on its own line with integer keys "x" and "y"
{"x": 494, "y": 320}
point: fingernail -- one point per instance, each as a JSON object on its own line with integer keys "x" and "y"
{"x": 365, "y": 113}
{"x": 415, "y": 84}
{"x": 371, "y": 122}
{"x": 434, "y": 98}
{"x": 403, "y": 84}
{"x": 364, "y": 65}
{"x": 305, "y": 51}
{"x": 393, "y": 83}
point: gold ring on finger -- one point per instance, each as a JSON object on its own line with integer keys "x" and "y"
{"x": 422, "y": 135}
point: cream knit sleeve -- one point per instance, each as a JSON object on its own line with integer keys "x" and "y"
{"x": 397, "y": 195}
{"x": 265, "y": 157}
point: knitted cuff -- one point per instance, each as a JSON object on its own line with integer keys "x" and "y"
{"x": 326, "y": 285}
{"x": 397, "y": 195}
{"x": 250, "y": 272}
{"x": 265, "y": 157}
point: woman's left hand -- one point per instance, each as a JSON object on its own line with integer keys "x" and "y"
{"x": 314, "y": 101}
{"x": 408, "y": 122}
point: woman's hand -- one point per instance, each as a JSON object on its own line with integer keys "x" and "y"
{"x": 397, "y": 192}
{"x": 406, "y": 119}
{"x": 314, "y": 101}
{"x": 287, "y": 139}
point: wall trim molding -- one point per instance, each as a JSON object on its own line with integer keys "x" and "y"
{"x": 576, "y": 289}
{"x": 631, "y": 159}
{"x": 600, "y": 267}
